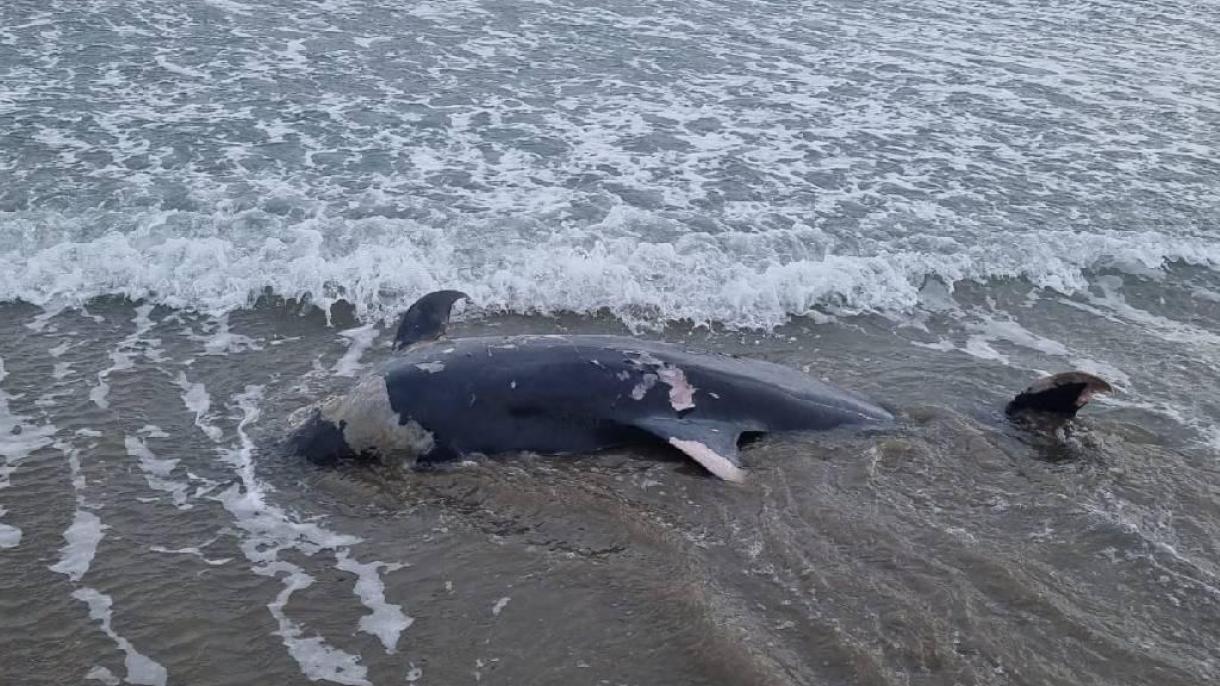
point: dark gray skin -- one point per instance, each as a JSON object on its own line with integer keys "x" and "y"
{"x": 579, "y": 393}
{"x": 570, "y": 394}
{"x": 442, "y": 400}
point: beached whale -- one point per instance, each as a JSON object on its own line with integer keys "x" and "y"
{"x": 554, "y": 394}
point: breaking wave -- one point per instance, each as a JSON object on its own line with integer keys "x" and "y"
{"x": 641, "y": 268}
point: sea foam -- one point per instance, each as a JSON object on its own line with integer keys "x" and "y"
{"x": 738, "y": 278}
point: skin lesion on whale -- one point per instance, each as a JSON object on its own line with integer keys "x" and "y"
{"x": 441, "y": 400}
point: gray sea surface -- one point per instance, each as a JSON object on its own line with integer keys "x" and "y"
{"x": 211, "y": 210}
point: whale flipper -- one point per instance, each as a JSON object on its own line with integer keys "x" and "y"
{"x": 1061, "y": 395}
{"x": 427, "y": 318}
{"x": 710, "y": 443}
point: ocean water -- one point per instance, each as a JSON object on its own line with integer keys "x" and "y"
{"x": 211, "y": 210}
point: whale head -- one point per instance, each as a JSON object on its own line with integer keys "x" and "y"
{"x": 358, "y": 424}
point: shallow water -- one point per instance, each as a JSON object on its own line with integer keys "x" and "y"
{"x": 166, "y": 537}
{"x": 929, "y": 202}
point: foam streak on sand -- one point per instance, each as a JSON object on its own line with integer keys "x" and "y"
{"x": 17, "y": 440}
{"x": 270, "y": 530}
{"x": 194, "y": 551}
{"x": 141, "y": 669}
{"x": 157, "y": 472}
{"x": 197, "y": 400}
{"x": 385, "y": 621}
{"x": 85, "y": 533}
{"x": 81, "y": 541}
{"x": 122, "y": 357}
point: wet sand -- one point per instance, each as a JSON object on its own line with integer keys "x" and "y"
{"x": 165, "y": 537}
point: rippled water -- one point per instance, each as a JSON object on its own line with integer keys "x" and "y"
{"x": 165, "y": 536}
{"x": 931, "y": 202}
{"x": 730, "y": 162}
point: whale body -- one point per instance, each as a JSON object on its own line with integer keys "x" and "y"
{"x": 443, "y": 399}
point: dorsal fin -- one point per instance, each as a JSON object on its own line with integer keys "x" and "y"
{"x": 1060, "y": 394}
{"x": 426, "y": 319}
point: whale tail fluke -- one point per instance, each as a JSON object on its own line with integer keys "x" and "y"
{"x": 427, "y": 318}
{"x": 1060, "y": 395}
